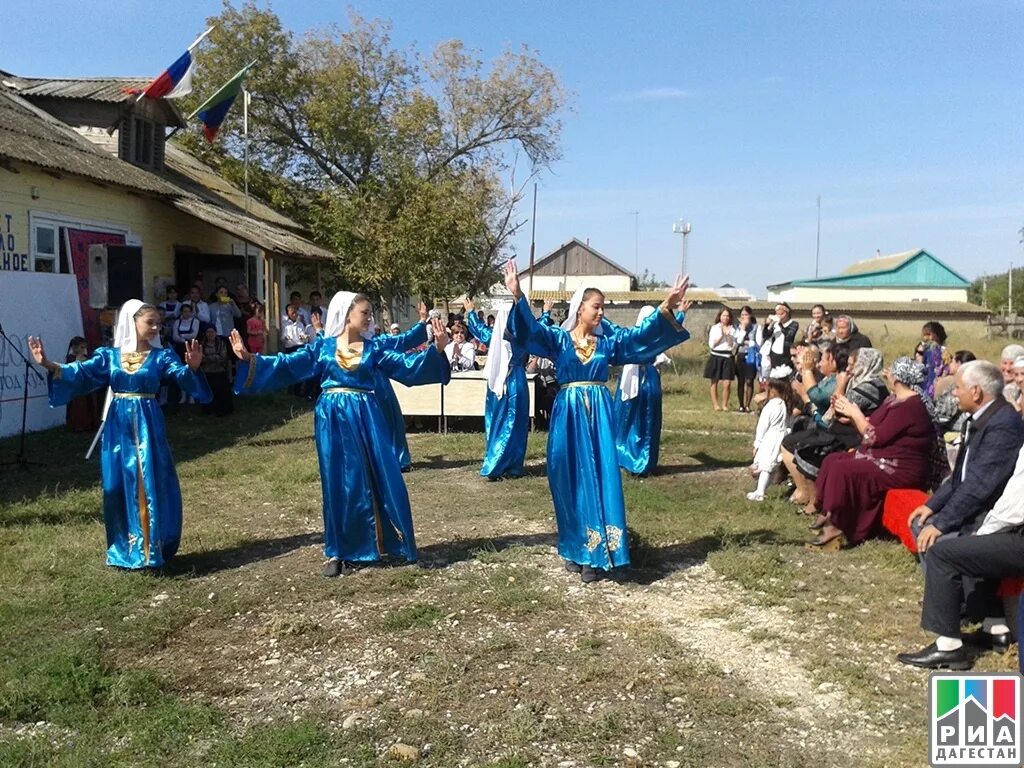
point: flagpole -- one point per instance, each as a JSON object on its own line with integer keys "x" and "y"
{"x": 245, "y": 133}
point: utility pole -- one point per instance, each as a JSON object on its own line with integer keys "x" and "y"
{"x": 817, "y": 243}
{"x": 636, "y": 239}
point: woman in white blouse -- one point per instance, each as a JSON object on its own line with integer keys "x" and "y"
{"x": 721, "y": 367}
{"x": 461, "y": 353}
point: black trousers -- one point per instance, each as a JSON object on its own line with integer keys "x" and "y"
{"x": 968, "y": 568}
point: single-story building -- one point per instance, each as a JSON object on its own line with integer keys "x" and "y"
{"x": 911, "y": 276}
{"x": 575, "y": 264}
{"x": 86, "y": 170}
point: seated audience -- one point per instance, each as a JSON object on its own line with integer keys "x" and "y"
{"x": 898, "y": 449}
{"x": 965, "y": 570}
{"x": 803, "y": 452}
{"x": 993, "y": 432}
{"x": 1006, "y": 360}
{"x": 461, "y": 353}
{"x": 818, "y": 373}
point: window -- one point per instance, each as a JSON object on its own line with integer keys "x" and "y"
{"x": 45, "y": 248}
{"x": 142, "y": 142}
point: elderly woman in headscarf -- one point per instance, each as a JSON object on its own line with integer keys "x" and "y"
{"x": 637, "y": 411}
{"x": 507, "y": 410}
{"x": 899, "y": 449}
{"x": 141, "y": 495}
{"x": 583, "y": 468}
{"x": 804, "y": 451}
{"x": 365, "y": 501}
{"x": 848, "y": 335}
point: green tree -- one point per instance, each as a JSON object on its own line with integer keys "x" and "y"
{"x": 402, "y": 163}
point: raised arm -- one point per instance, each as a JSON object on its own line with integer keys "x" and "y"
{"x": 658, "y": 332}
{"x": 537, "y": 338}
{"x": 71, "y": 380}
{"x": 264, "y": 373}
{"x": 186, "y": 374}
{"x": 410, "y": 339}
{"x": 477, "y": 327}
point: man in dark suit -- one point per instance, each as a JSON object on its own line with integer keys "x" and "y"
{"x": 992, "y": 439}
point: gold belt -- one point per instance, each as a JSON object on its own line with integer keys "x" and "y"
{"x": 133, "y": 394}
{"x": 583, "y": 384}
{"x": 347, "y": 390}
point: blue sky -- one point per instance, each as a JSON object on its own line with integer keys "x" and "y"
{"x": 904, "y": 116}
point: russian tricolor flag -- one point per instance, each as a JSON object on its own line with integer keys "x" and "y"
{"x": 176, "y": 81}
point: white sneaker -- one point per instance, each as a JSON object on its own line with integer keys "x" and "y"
{"x": 755, "y": 496}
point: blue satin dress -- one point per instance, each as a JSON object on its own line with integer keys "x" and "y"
{"x": 583, "y": 467}
{"x": 141, "y": 496}
{"x": 638, "y": 424}
{"x": 506, "y": 418}
{"x": 365, "y": 501}
{"x": 386, "y": 397}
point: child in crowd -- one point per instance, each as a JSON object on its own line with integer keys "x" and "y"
{"x": 83, "y": 412}
{"x": 828, "y": 333}
{"x": 256, "y": 330}
{"x": 772, "y": 426}
{"x": 170, "y": 306}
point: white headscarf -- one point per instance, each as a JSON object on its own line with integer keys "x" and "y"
{"x": 574, "y": 308}
{"x": 499, "y": 355}
{"x": 629, "y": 381}
{"x": 125, "y": 337}
{"x": 337, "y": 314}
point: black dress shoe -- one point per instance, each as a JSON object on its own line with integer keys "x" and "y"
{"x": 332, "y": 568}
{"x": 572, "y": 567}
{"x": 589, "y": 575}
{"x": 987, "y": 641}
{"x": 930, "y": 657}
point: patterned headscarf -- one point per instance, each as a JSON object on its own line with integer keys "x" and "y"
{"x": 868, "y": 366}
{"x": 912, "y": 374}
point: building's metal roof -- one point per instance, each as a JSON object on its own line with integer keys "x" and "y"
{"x": 30, "y": 135}
{"x": 266, "y": 235}
{"x": 880, "y": 263}
{"x": 627, "y": 296}
{"x": 186, "y": 170}
{"x": 908, "y": 269}
{"x": 108, "y": 89}
{"x": 925, "y": 309}
{"x": 581, "y": 244}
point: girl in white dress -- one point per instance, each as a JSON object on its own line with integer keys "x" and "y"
{"x": 772, "y": 426}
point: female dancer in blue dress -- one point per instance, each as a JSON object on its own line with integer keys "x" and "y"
{"x": 366, "y": 504}
{"x": 637, "y": 412}
{"x": 583, "y": 468}
{"x": 141, "y": 496}
{"x": 507, "y": 412}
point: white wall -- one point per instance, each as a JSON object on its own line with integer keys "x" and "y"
{"x": 42, "y": 305}
{"x": 830, "y": 296}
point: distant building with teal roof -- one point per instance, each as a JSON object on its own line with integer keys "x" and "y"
{"x": 908, "y": 276}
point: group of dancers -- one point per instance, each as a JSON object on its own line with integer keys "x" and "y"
{"x": 359, "y": 429}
